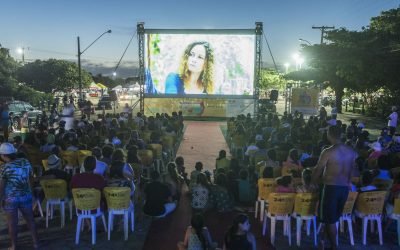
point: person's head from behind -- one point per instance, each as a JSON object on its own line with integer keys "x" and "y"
{"x": 171, "y": 168}
{"x": 284, "y": 181}
{"x": 294, "y": 155}
{"x": 198, "y": 58}
{"x": 306, "y": 176}
{"x": 334, "y": 134}
{"x": 89, "y": 164}
{"x": 268, "y": 173}
{"x": 107, "y": 151}
{"x": 221, "y": 180}
{"x": 96, "y": 152}
{"x": 199, "y": 166}
{"x": 222, "y": 154}
{"x": 116, "y": 169}
{"x": 179, "y": 161}
{"x": 272, "y": 154}
{"x": 368, "y": 177}
{"x": 240, "y": 224}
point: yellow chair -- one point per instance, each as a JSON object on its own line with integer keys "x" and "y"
{"x": 265, "y": 187}
{"x": 70, "y": 160}
{"x": 146, "y": 157}
{"x": 157, "y": 156}
{"x": 119, "y": 203}
{"x": 45, "y": 164}
{"x": 168, "y": 143}
{"x": 55, "y": 192}
{"x": 305, "y": 207}
{"x": 82, "y": 154}
{"x": 280, "y": 207}
{"x": 347, "y": 215}
{"x": 369, "y": 207}
{"x": 396, "y": 216}
{"x": 86, "y": 200}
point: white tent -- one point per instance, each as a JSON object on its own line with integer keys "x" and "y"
{"x": 118, "y": 87}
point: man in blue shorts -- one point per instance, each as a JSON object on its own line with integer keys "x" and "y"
{"x": 333, "y": 172}
{"x": 15, "y": 192}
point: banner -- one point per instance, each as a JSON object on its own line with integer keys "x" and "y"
{"x": 305, "y": 101}
{"x": 198, "y": 107}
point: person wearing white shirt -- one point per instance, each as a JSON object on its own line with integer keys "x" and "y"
{"x": 392, "y": 123}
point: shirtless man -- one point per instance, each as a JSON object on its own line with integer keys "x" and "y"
{"x": 333, "y": 172}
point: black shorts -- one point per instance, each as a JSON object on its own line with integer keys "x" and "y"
{"x": 332, "y": 202}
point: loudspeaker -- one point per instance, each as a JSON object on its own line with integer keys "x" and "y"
{"x": 113, "y": 96}
{"x": 274, "y": 95}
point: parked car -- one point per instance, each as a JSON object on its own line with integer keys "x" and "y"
{"x": 17, "y": 107}
{"x": 106, "y": 102}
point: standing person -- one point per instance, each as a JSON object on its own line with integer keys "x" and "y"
{"x": 239, "y": 236}
{"x": 392, "y": 123}
{"x": 195, "y": 71}
{"x": 5, "y": 121}
{"x": 67, "y": 115}
{"x": 16, "y": 179}
{"x": 333, "y": 171}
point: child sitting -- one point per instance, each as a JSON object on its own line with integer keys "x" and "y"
{"x": 284, "y": 184}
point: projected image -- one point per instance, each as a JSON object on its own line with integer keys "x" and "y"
{"x": 199, "y": 64}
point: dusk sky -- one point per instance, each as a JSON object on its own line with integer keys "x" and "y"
{"x": 49, "y": 28}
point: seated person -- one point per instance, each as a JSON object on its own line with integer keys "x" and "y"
{"x": 54, "y": 170}
{"x": 220, "y": 196}
{"x": 193, "y": 175}
{"x": 284, "y": 185}
{"x": 200, "y": 192}
{"x": 239, "y": 236}
{"x": 367, "y": 178}
{"x": 117, "y": 178}
{"x": 88, "y": 179}
{"x": 197, "y": 235}
{"x": 247, "y": 189}
{"x": 394, "y": 193}
{"x": 306, "y": 186}
{"x": 158, "y": 201}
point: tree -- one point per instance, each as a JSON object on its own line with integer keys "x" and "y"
{"x": 108, "y": 81}
{"x": 7, "y": 71}
{"x": 52, "y": 75}
{"x": 270, "y": 79}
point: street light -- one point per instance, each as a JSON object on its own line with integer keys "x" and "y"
{"x": 22, "y": 52}
{"x": 79, "y": 60}
{"x": 286, "y": 67}
{"x": 302, "y": 40}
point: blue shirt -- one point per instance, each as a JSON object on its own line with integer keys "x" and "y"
{"x": 174, "y": 84}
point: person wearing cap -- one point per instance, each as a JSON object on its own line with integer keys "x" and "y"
{"x": 54, "y": 169}
{"x": 16, "y": 179}
{"x": 392, "y": 121}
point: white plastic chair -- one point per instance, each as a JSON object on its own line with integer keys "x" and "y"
{"x": 347, "y": 215}
{"x": 369, "y": 207}
{"x": 265, "y": 187}
{"x": 280, "y": 208}
{"x": 55, "y": 192}
{"x": 119, "y": 203}
{"x": 86, "y": 200}
{"x": 396, "y": 216}
{"x": 304, "y": 210}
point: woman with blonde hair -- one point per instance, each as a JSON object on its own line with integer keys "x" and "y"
{"x": 195, "y": 71}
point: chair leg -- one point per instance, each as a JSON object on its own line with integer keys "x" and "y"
{"x": 350, "y": 226}
{"x": 379, "y": 224}
{"x": 93, "y": 221}
{"x": 298, "y": 231}
{"x": 39, "y": 207}
{"x": 337, "y": 233}
{"x": 78, "y": 230}
{"x": 308, "y": 227}
{"x": 103, "y": 218}
{"x": 132, "y": 219}
{"x": 262, "y": 208}
{"x": 126, "y": 222}
{"x": 273, "y": 224}
{"x": 315, "y": 230}
{"x": 62, "y": 211}
{"x": 264, "y": 224}
{"x": 289, "y": 231}
{"x": 365, "y": 227}
{"x": 109, "y": 225}
{"x": 70, "y": 210}
{"x": 372, "y": 226}
{"x": 47, "y": 214}
{"x": 256, "y": 210}
{"x": 398, "y": 231}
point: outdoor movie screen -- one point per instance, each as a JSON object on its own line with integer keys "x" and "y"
{"x": 202, "y": 64}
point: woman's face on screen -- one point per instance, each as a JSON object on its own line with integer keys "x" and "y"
{"x": 197, "y": 57}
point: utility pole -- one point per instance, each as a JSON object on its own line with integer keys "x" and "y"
{"x": 323, "y": 28}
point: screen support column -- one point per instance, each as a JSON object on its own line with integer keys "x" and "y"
{"x": 140, "y": 35}
{"x": 259, "y": 33}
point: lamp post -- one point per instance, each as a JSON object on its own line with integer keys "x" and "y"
{"x": 286, "y": 67}
{"x": 22, "y": 52}
{"x": 302, "y": 40}
{"x": 79, "y": 60}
